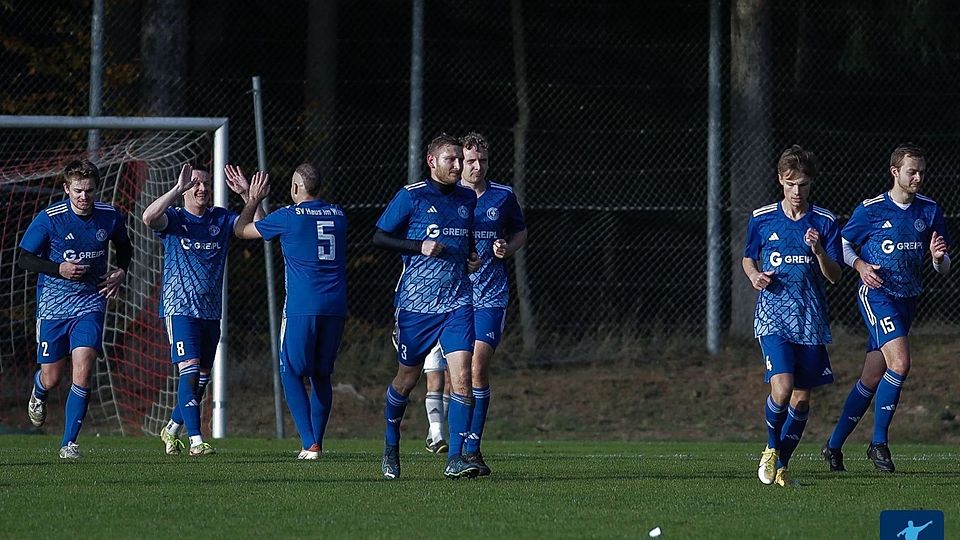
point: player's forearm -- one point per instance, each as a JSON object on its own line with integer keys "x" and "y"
{"x": 942, "y": 267}
{"x": 124, "y": 255}
{"x": 829, "y": 268}
{"x": 749, "y": 268}
{"x": 516, "y": 242}
{"x": 385, "y": 240}
{"x": 35, "y": 263}
{"x": 154, "y": 213}
{"x": 850, "y": 255}
{"x": 242, "y": 228}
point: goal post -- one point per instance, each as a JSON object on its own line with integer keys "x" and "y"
{"x": 155, "y": 148}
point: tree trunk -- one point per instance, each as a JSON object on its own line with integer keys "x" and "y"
{"x": 165, "y": 37}
{"x": 527, "y": 318}
{"x": 751, "y": 169}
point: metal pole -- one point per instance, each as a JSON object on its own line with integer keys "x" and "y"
{"x": 714, "y": 245}
{"x": 218, "y": 424}
{"x": 268, "y": 263}
{"x": 414, "y": 153}
{"x": 96, "y": 76}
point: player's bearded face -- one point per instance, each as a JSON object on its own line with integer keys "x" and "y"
{"x": 446, "y": 167}
{"x": 81, "y": 193}
{"x": 909, "y": 176}
{"x": 474, "y": 165}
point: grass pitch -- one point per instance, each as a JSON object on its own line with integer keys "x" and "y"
{"x": 126, "y": 487}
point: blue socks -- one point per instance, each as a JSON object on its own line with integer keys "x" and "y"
{"x": 461, "y": 413}
{"x": 481, "y": 402}
{"x": 77, "y": 403}
{"x": 321, "y": 401}
{"x": 187, "y": 401}
{"x": 853, "y": 409}
{"x": 775, "y": 415}
{"x": 202, "y": 381}
{"x": 299, "y": 406}
{"x": 792, "y": 432}
{"x": 396, "y": 405}
{"x": 38, "y": 389}
{"x": 888, "y": 396}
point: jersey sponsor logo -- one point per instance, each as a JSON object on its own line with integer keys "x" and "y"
{"x": 433, "y": 230}
{"x": 919, "y": 225}
{"x": 492, "y": 213}
{"x": 773, "y": 238}
{"x": 101, "y": 235}
{"x": 889, "y": 246}
{"x": 69, "y": 236}
{"x": 464, "y": 213}
{"x": 776, "y": 259}
{"x": 887, "y": 225}
{"x": 188, "y": 244}
{"x": 432, "y": 209}
{"x": 213, "y": 230}
{"x": 484, "y": 235}
{"x": 74, "y": 256}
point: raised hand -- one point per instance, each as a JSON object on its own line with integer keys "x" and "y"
{"x": 938, "y": 247}
{"x": 500, "y": 248}
{"x": 259, "y": 186}
{"x": 236, "y": 181}
{"x": 812, "y": 239}
{"x": 762, "y": 280}
{"x": 431, "y": 248}
{"x": 111, "y": 282}
{"x": 73, "y": 271}
{"x": 186, "y": 181}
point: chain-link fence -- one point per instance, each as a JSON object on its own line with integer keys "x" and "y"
{"x": 596, "y": 113}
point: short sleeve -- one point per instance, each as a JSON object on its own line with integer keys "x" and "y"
{"x": 857, "y": 229}
{"x": 273, "y": 225}
{"x": 831, "y": 241}
{"x": 512, "y": 215}
{"x": 37, "y": 238}
{"x": 397, "y": 215}
{"x": 752, "y": 248}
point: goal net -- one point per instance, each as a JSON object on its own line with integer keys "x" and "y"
{"x": 134, "y": 386}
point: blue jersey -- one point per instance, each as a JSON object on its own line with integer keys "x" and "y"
{"x": 422, "y": 212}
{"x": 58, "y": 234}
{"x": 896, "y": 239}
{"x": 794, "y": 305}
{"x": 498, "y": 215}
{"x": 194, "y": 255}
{"x": 313, "y": 236}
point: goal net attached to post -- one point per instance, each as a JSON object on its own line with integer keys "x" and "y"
{"x": 139, "y": 159}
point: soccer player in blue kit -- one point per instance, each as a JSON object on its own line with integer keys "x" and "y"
{"x": 67, "y": 244}
{"x": 313, "y": 237}
{"x": 792, "y": 246}
{"x": 431, "y": 224}
{"x": 195, "y": 239}
{"x": 893, "y": 232}
{"x": 499, "y": 232}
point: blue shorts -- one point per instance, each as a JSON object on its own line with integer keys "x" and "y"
{"x": 414, "y": 334}
{"x": 809, "y": 364}
{"x": 309, "y": 344}
{"x": 886, "y": 317}
{"x": 488, "y": 325}
{"x": 57, "y": 338}
{"x": 192, "y": 338}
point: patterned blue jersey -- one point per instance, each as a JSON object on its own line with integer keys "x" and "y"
{"x": 58, "y": 234}
{"x": 794, "y": 305}
{"x": 422, "y": 212}
{"x": 896, "y": 239}
{"x": 498, "y": 215}
{"x": 194, "y": 255}
{"x": 313, "y": 236}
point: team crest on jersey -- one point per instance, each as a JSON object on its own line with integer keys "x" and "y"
{"x": 492, "y": 213}
{"x": 101, "y": 235}
{"x": 214, "y": 230}
{"x": 919, "y": 225}
{"x": 464, "y": 213}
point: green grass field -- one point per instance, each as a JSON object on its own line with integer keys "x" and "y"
{"x": 126, "y": 487}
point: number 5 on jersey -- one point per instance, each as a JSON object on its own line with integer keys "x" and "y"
{"x": 328, "y": 252}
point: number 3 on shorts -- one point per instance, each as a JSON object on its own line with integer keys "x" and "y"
{"x": 886, "y": 324}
